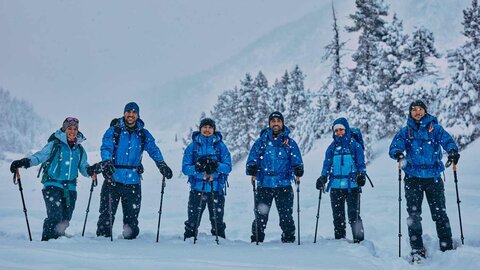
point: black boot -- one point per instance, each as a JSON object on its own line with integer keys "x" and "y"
{"x": 188, "y": 233}
{"x": 288, "y": 237}
{"x": 418, "y": 254}
{"x": 261, "y": 237}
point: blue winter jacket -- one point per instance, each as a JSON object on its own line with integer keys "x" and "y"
{"x": 129, "y": 151}
{"x": 344, "y": 159}
{"x": 422, "y": 140}
{"x": 214, "y": 147}
{"x": 65, "y": 164}
{"x": 276, "y": 158}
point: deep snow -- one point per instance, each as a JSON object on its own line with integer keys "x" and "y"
{"x": 379, "y": 213}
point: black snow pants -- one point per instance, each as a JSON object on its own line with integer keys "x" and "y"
{"x": 435, "y": 193}
{"x": 58, "y": 213}
{"x": 338, "y": 197}
{"x": 284, "y": 201}
{"x": 196, "y": 206}
{"x": 131, "y": 197}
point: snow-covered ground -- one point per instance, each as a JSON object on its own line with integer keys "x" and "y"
{"x": 379, "y": 213}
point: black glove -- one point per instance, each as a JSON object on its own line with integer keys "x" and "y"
{"x": 252, "y": 169}
{"x": 164, "y": 169}
{"x": 298, "y": 170}
{"x": 321, "y": 181}
{"x": 361, "y": 179}
{"x": 201, "y": 164}
{"x": 94, "y": 169}
{"x": 24, "y": 162}
{"x": 399, "y": 156}
{"x": 107, "y": 168}
{"x": 211, "y": 166}
{"x": 453, "y": 156}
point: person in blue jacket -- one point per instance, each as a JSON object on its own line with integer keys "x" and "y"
{"x": 422, "y": 139}
{"x": 344, "y": 165}
{"x": 274, "y": 162}
{"x": 62, "y": 158}
{"x": 207, "y": 163}
{"x": 122, "y": 147}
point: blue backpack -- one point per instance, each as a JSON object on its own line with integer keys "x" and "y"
{"x": 357, "y": 136}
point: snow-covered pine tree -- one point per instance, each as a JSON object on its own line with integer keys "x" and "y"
{"x": 263, "y": 106}
{"x": 20, "y": 126}
{"x": 391, "y": 53}
{"x": 418, "y": 75}
{"x": 332, "y": 98}
{"x": 461, "y": 101}
{"x": 297, "y": 99}
{"x": 364, "y": 81}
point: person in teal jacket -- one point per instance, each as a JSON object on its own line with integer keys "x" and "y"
{"x": 344, "y": 164}
{"x": 62, "y": 158}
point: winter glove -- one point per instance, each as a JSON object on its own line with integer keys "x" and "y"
{"x": 24, "y": 162}
{"x": 252, "y": 169}
{"x": 298, "y": 170}
{"x": 164, "y": 169}
{"x": 201, "y": 164}
{"x": 211, "y": 166}
{"x": 361, "y": 179}
{"x": 321, "y": 181}
{"x": 453, "y": 156}
{"x": 94, "y": 169}
{"x": 107, "y": 168}
{"x": 399, "y": 156}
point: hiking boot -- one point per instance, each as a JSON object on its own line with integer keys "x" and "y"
{"x": 188, "y": 234}
{"x": 446, "y": 245}
{"x": 261, "y": 237}
{"x": 288, "y": 238}
{"x": 221, "y": 232}
{"x": 418, "y": 254}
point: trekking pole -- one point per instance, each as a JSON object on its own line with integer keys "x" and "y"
{"x": 458, "y": 199}
{"x": 160, "y": 209}
{"x": 297, "y": 182}
{"x": 369, "y": 180}
{"x": 110, "y": 186}
{"x": 17, "y": 180}
{"x": 318, "y": 213}
{"x": 200, "y": 208}
{"x": 399, "y": 209}
{"x": 214, "y": 209}
{"x": 94, "y": 184}
{"x": 255, "y": 207}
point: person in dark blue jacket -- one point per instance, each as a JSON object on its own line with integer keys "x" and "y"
{"x": 274, "y": 162}
{"x": 122, "y": 147}
{"x": 422, "y": 139}
{"x": 344, "y": 164}
{"x": 207, "y": 163}
{"x": 63, "y": 157}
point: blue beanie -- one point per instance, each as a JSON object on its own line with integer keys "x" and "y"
{"x": 132, "y": 106}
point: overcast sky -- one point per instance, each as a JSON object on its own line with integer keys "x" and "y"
{"x": 50, "y": 47}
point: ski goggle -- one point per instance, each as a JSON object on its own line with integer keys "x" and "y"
{"x": 71, "y": 119}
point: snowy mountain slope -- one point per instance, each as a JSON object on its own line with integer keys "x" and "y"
{"x": 379, "y": 212}
{"x": 300, "y": 42}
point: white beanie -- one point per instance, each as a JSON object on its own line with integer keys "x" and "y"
{"x": 337, "y": 126}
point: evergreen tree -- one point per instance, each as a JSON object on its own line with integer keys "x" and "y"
{"x": 418, "y": 75}
{"x": 263, "y": 106}
{"x": 20, "y": 127}
{"x": 364, "y": 80}
{"x": 297, "y": 101}
{"x": 461, "y": 100}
